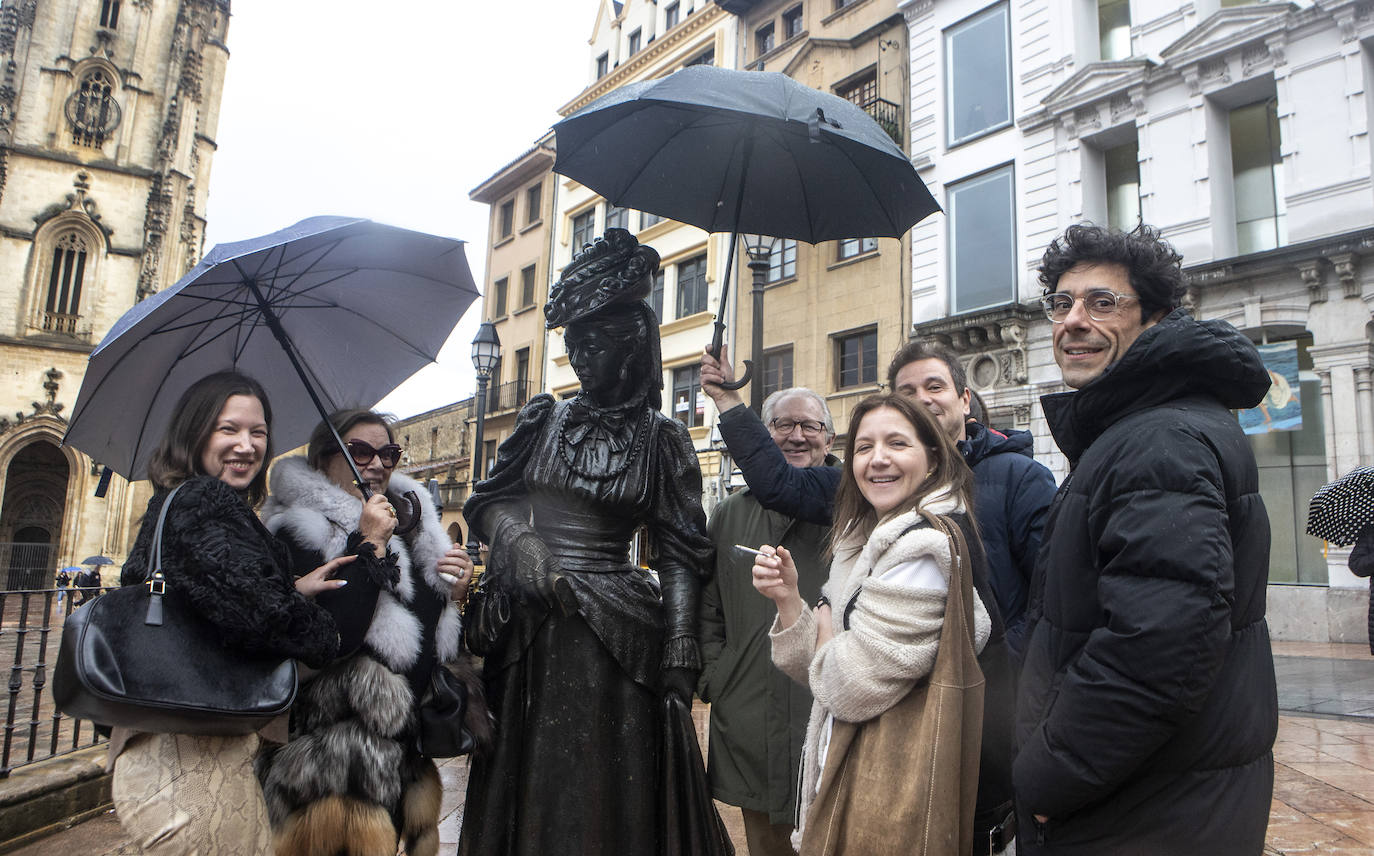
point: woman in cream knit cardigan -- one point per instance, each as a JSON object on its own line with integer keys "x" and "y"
{"x": 862, "y": 655}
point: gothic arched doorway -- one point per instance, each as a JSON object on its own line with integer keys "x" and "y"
{"x": 31, "y": 515}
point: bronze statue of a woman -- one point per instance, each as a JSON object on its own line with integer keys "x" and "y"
{"x": 577, "y": 680}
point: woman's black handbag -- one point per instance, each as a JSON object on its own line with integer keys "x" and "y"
{"x": 441, "y": 731}
{"x": 128, "y": 659}
{"x": 487, "y": 615}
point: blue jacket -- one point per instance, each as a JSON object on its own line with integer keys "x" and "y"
{"x": 806, "y": 493}
{"x": 1011, "y": 494}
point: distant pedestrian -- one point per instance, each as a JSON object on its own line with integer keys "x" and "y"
{"x": 1361, "y": 564}
{"x": 1148, "y": 709}
{"x": 64, "y": 579}
{"x": 87, "y": 585}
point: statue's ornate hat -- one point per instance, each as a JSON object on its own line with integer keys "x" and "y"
{"x": 613, "y": 270}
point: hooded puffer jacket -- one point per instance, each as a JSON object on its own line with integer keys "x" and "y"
{"x": 1147, "y": 709}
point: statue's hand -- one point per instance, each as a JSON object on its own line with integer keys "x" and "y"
{"x": 681, "y": 681}
{"x": 537, "y": 575}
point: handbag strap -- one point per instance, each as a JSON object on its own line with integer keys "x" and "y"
{"x": 155, "y": 560}
{"x": 960, "y": 574}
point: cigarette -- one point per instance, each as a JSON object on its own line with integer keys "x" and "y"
{"x": 755, "y": 552}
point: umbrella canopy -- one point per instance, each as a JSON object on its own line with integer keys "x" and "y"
{"x": 1340, "y": 510}
{"x": 744, "y": 151}
{"x": 359, "y": 307}
{"x": 96, "y": 560}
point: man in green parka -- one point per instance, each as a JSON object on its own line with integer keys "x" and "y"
{"x": 758, "y": 715}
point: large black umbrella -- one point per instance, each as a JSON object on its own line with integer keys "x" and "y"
{"x": 744, "y": 151}
{"x": 331, "y": 312}
{"x": 1340, "y": 511}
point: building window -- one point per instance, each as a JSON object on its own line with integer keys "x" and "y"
{"x": 534, "y": 200}
{"x": 861, "y": 91}
{"x": 670, "y": 16}
{"x": 763, "y": 39}
{"x": 1123, "y": 186}
{"x": 507, "y": 218}
{"x": 68, "y": 274}
{"x": 856, "y": 359}
{"x": 691, "y": 286}
{"x": 1114, "y": 28}
{"x": 522, "y": 377}
{"x": 92, "y": 110}
{"x": 792, "y": 22}
{"x": 707, "y": 58}
{"x": 634, "y": 42}
{"x": 488, "y": 457}
{"x": 982, "y": 233}
{"x": 777, "y": 370}
{"x": 978, "y": 75}
{"x": 851, "y": 247}
{"x": 616, "y": 217}
{"x": 1257, "y": 177}
{"x": 656, "y": 296}
{"x": 603, "y": 65}
{"x": 583, "y": 226}
{"x": 109, "y": 13}
{"x": 527, "y": 286}
{"x": 782, "y": 261}
{"x": 499, "y": 290}
{"x": 689, "y": 407}
{"x": 840, "y": 4}
{"x": 646, "y": 219}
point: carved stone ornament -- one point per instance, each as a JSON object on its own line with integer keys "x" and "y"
{"x": 1347, "y": 266}
{"x": 51, "y": 407}
{"x": 1314, "y": 278}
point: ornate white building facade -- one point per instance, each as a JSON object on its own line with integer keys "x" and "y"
{"x": 1242, "y": 131}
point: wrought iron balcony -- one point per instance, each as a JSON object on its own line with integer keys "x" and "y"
{"x": 507, "y": 396}
{"x": 888, "y": 115}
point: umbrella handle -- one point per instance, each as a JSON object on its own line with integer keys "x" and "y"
{"x": 743, "y": 380}
{"x": 408, "y": 521}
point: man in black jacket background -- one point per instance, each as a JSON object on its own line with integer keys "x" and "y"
{"x": 1147, "y": 709}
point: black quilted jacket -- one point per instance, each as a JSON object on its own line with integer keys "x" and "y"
{"x": 1147, "y": 706}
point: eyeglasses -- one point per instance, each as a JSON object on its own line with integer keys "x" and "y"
{"x": 1100, "y": 303}
{"x": 810, "y": 427}
{"x": 363, "y": 453}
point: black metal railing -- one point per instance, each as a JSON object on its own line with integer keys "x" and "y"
{"x": 888, "y": 115}
{"x": 26, "y": 566}
{"x": 507, "y": 396}
{"x": 30, "y": 635}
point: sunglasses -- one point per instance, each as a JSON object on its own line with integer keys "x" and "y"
{"x": 363, "y": 453}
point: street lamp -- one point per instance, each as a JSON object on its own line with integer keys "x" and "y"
{"x": 760, "y": 248}
{"x": 486, "y": 351}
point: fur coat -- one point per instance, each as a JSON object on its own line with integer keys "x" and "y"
{"x": 353, "y": 723}
{"x": 892, "y": 639}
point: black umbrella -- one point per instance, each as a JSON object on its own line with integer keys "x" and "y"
{"x": 1340, "y": 511}
{"x": 97, "y": 560}
{"x": 744, "y": 151}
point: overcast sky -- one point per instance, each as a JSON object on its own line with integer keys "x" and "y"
{"x": 392, "y": 111}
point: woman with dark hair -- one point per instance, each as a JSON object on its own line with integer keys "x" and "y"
{"x": 576, "y": 680}
{"x": 889, "y": 582}
{"x": 186, "y": 794}
{"x": 352, "y": 779}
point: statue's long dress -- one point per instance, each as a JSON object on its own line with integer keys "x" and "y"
{"x": 575, "y": 769}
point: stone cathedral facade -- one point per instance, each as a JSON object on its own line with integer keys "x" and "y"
{"x": 108, "y": 115}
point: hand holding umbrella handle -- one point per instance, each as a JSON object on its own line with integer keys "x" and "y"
{"x": 716, "y": 342}
{"x": 408, "y": 520}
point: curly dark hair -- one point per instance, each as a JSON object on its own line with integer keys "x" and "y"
{"x": 1154, "y": 266}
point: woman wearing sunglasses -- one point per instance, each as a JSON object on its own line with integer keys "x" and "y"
{"x": 352, "y": 777}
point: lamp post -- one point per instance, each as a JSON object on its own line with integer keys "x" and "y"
{"x": 760, "y": 248}
{"x": 486, "y": 351}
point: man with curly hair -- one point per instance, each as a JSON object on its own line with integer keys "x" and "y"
{"x": 1147, "y": 709}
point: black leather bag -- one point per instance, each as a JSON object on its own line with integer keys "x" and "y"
{"x": 141, "y": 658}
{"x": 487, "y": 615}
{"x": 440, "y": 730}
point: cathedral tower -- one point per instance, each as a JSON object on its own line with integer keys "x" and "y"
{"x": 108, "y": 115}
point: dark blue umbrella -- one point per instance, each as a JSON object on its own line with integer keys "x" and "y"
{"x": 94, "y": 560}
{"x": 329, "y": 313}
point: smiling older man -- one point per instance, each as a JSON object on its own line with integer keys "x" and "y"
{"x": 1148, "y": 709}
{"x": 758, "y": 715}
